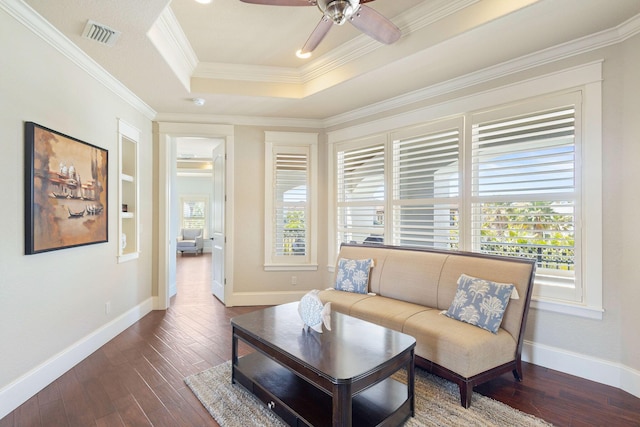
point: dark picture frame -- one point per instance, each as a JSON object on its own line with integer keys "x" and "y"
{"x": 66, "y": 197}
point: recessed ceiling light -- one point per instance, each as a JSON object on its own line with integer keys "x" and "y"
{"x": 199, "y": 101}
{"x": 301, "y": 55}
{"x": 204, "y": 1}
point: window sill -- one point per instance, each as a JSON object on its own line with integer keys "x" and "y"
{"x": 567, "y": 308}
{"x": 290, "y": 267}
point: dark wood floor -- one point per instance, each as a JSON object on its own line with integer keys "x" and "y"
{"x": 137, "y": 378}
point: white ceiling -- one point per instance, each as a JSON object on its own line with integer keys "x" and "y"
{"x": 241, "y": 58}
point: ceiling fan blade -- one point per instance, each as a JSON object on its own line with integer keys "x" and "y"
{"x": 375, "y": 25}
{"x": 281, "y": 2}
{"x": 317, "y": 35}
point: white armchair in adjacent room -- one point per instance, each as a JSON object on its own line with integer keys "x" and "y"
{"x": 190, "y": 240}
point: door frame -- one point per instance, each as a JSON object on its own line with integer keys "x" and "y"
{"x": 167, "y": 132}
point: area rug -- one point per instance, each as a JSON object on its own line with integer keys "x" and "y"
{"x": 436, "y": 402}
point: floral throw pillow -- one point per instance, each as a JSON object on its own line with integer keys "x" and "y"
{"x": 480, "y": 302}
{"x": 353, "y": 275}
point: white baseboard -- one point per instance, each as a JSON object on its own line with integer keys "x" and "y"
{"x": 23, "y": 388}
{"x": 590, "y": 368}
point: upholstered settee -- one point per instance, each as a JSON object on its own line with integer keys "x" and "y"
{"x": 409, "y": 290}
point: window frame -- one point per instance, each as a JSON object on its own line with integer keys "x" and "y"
{"x": 291, "y": 143}
{"x": 184, "y": 198}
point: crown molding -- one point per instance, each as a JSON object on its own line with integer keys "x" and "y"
{"x": 254, "y": 73}
{"x": 604, "y": 38}
{"x": 167, "y": 36}
{"x": 241, "y": 120}
{"x": 24, "y": 14}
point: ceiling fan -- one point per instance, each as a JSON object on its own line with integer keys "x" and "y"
{"x": 338, "y": 12}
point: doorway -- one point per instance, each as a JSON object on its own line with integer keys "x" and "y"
{"x": 194, "y": 192}
{"x": 171, "y": 136}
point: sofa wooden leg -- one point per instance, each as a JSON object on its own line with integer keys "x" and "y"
{"x": 466, "y": 391}
{"x": 517, "y": 372}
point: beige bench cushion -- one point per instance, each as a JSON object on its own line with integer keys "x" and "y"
{"x": 341, "y": 300}
{"x": 386, "y": 312}
{"x": 458, "y": 346}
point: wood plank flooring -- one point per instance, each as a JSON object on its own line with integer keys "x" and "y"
{"x": 136, "y": 379}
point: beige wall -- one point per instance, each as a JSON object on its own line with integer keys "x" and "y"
{"x": 51, "y": 301}
{"x": 623, "y": 214}
{"x": 248, "y": 233}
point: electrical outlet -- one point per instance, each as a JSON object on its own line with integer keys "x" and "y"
{"x": 107, "y": 307}
{"x": 294, "y": 280}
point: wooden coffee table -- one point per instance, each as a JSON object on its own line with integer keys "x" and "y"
{"x": 341, "y": 377}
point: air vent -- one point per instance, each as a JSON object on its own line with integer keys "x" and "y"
{"x": 100, "y": 33}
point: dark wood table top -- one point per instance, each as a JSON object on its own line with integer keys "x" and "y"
{"x": 350, "y": 350}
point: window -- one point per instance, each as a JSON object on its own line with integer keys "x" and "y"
{"x": 290, "y": 200}
{"x": 194, "y": 212}
{"x": 426, "y": 185}
{"x": 290, "y": 204}
{"x": 361, "y": 208}
{"x": 507, "y": 181}
{"x": 524, "y": 194}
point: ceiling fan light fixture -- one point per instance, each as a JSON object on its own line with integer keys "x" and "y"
{"x": 338, "y": 10}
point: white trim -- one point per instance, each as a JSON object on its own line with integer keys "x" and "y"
{"x": 291, "y": 267}
{"x": 553, "y": 82}
{"x": 167, "y": 132}
{"x": 592, "y": 179}
{"x": 579, "y": 365}
{"x": 168, "y": 37}
{"x": 589, "y": 312}
{"x": 241, "y": 120}
{"x": 24, "y": 14}
{"x": 283, "y": 142}
{"x": 605, "y": 38}
{"x": 131, "y": 134}
{"x": 252, "y": 73}
{"x": 23, "y": 388}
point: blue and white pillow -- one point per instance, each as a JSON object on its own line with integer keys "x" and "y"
{"x": 353, "y": 275}
{"x": 480, "y": 302}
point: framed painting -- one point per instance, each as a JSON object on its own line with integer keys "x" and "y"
{"x": 65, "y": 191}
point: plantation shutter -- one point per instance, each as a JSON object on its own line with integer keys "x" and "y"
{"x": 426, "y": 190}
{"x": 194, "y": 213}
{"x": 360, "y": 193}
{"x": 291, "y": 204}
{"x": 524, "y": 196}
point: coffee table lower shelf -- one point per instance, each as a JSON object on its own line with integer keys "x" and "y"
{"x": 299, "y": 403}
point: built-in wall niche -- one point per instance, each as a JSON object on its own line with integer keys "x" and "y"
{"x": 128, "y": 192}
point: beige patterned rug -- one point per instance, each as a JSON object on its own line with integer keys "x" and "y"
{"x": 436, "y": 403}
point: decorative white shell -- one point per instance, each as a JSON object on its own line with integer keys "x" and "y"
{"x": 313, "y": 313}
